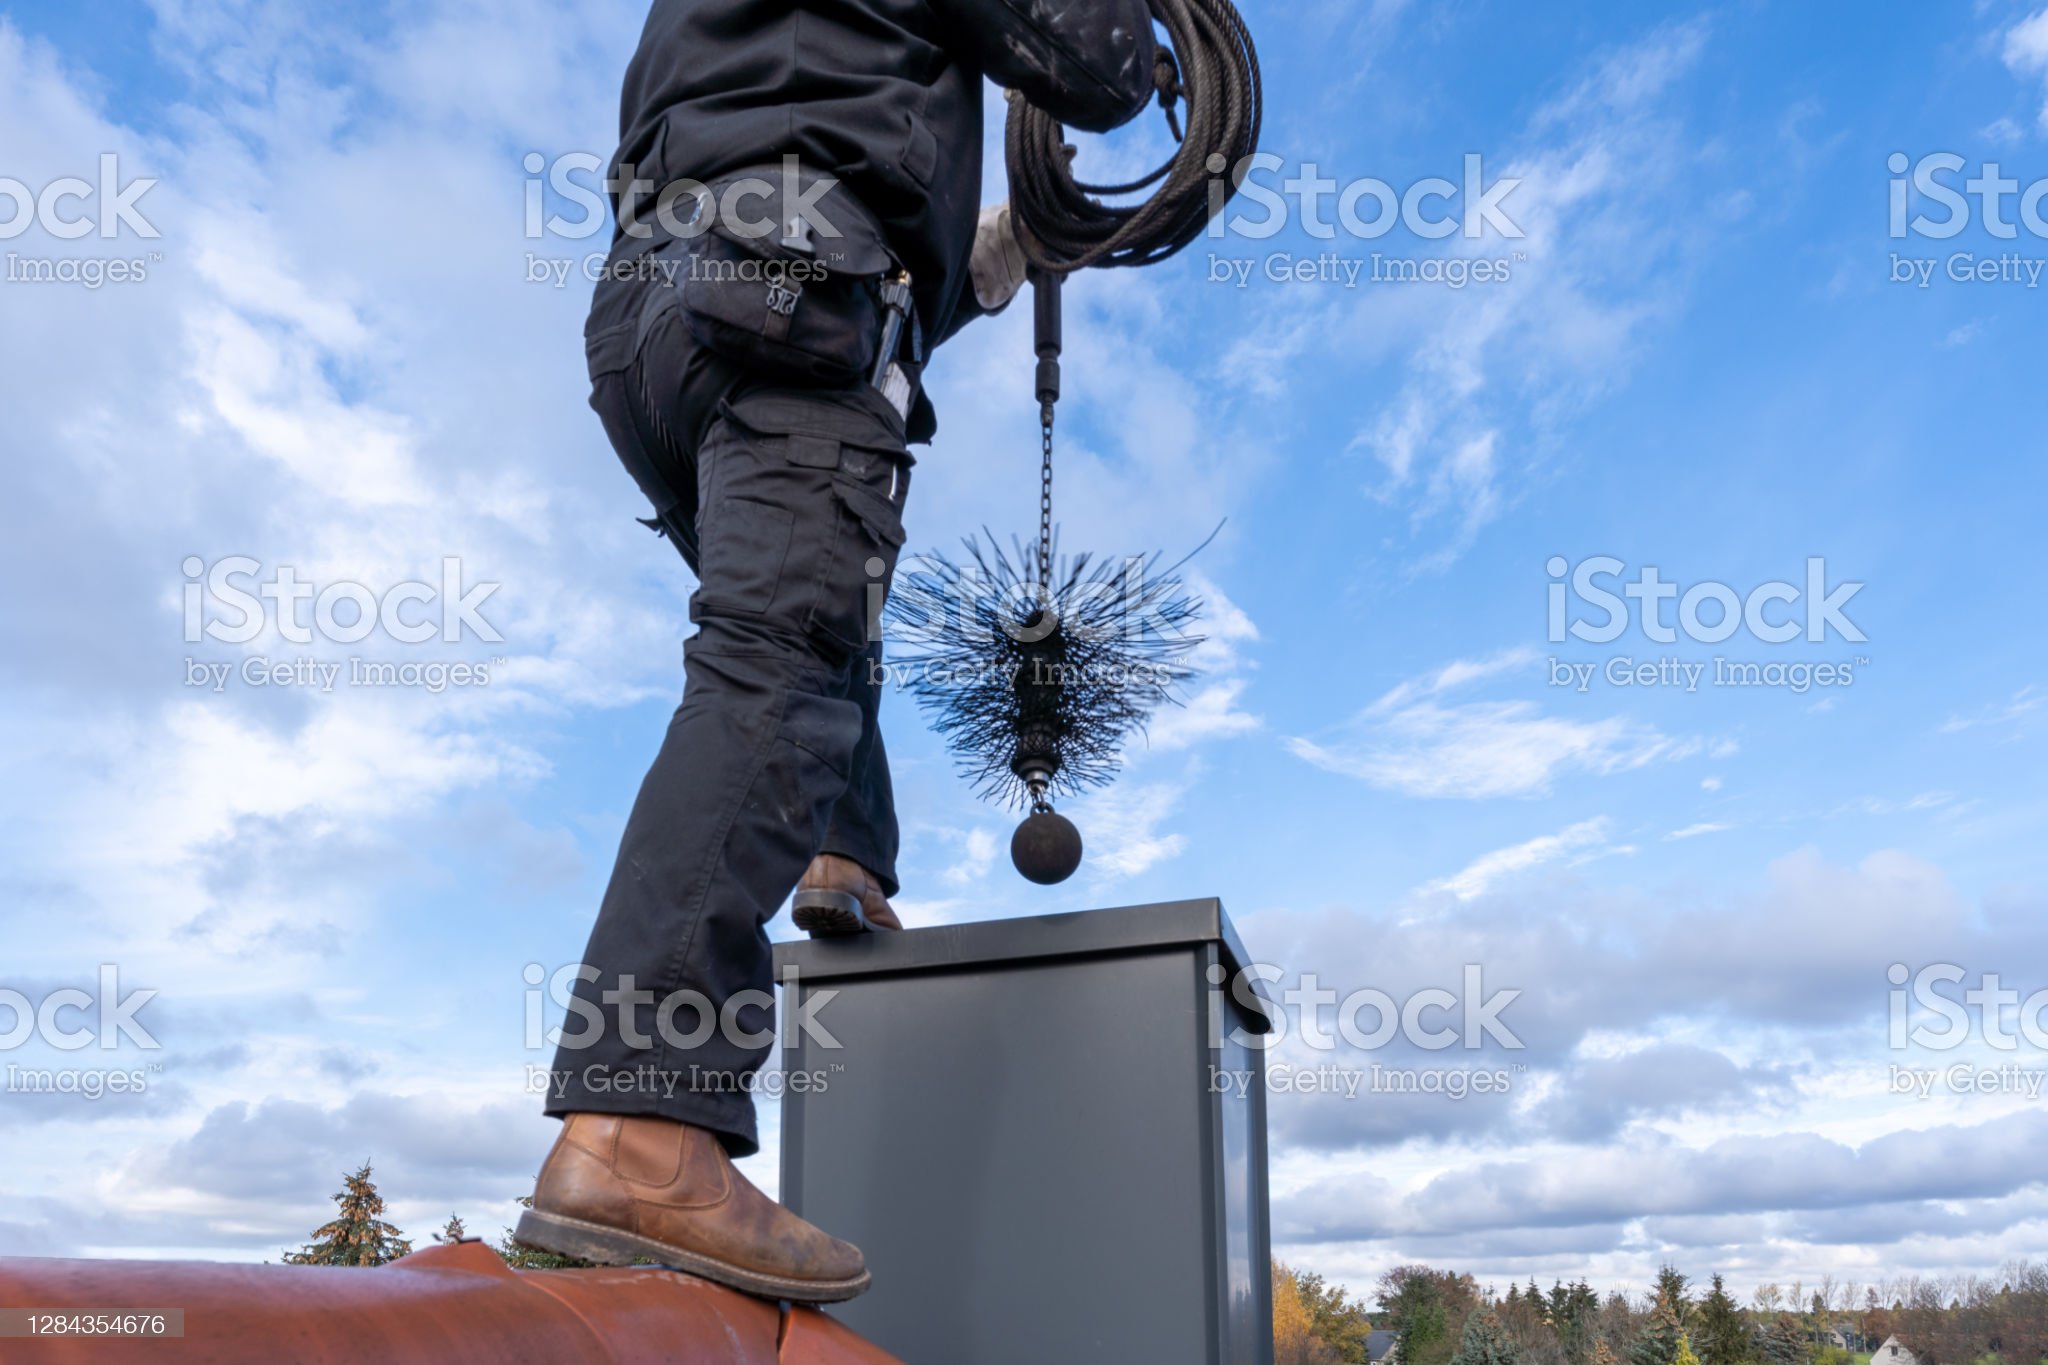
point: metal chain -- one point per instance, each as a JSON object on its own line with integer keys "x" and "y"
{"x": 1041, "y": 795}
{"x": 1045, "y": 511}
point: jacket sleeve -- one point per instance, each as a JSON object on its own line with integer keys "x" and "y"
{"x": 1088, "y": 63}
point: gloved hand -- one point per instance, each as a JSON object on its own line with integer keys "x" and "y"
{"x": 997, "y": 264}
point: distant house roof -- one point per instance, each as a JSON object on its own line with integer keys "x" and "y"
{"x": 1892, "y": 1353}
{"x": 1380, "y": 1345}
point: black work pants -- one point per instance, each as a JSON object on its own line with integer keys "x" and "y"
{"x": 787, "y": 503}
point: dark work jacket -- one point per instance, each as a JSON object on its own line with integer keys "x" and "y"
{"x": 883, "y": 94}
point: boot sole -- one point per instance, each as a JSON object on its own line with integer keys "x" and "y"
{"x": 609, "y": 1246}
{"x": 828, "y": 914}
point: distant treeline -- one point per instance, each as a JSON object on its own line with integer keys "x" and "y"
{"x": 1440, "y": 1317}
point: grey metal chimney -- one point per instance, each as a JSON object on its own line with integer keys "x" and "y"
{"x": 1027, "y": 1128}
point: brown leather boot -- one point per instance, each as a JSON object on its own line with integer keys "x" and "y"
{"x": 839, "y": 896}
{"x": 617, "y": 1187}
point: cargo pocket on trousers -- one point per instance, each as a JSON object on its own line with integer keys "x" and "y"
{"x": 743, "y": 545}
{"x": 846, "y": 455}
{"x": 869, "y": 536}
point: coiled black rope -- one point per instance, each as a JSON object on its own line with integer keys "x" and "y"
{"x": 1211, "y": 68}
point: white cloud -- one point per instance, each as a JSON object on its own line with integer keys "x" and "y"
{"x": 1407, "y": 741}
{"x": 2012, "y": 711}
{"x": 1210, "y": 711}
{"x": 266, "y": 388}
{"x": 1483, "y": 873}
{"x": 977, "y": 856}
{"x": 1456, "y": 674}
{"x": 1964, "y": 334}
{"x": 1724, "y": 1063}
{"x": 1885, "y": 805}
{"x": 1791, "y": 1171}
{"x": 1486, "y": 749}
{"x": 2003, "y": 130}
{"x": 1122, "y": 827}
{"x": 2025, "y": 50}
{"x": 1489, "y": 373}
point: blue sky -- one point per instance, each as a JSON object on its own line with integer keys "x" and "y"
{"x": 1700, "y": 361}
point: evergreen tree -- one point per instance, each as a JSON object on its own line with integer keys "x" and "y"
{"x": 358, "y": 1235}
{"x": 1784, "y": 1343}
{"x": 453, "y": 1232}
{"x": 1671, "y": 1289}
{"x": 1574, "y": 1313}
{"x": 1685, "y": 1355}
{"x": 1485, "y": 1342}
{"x": 1660, "y": 1338}
{"x": 1723, "y": 1335}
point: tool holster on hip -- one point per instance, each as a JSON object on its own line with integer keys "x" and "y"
{"x": 790, "y": 277}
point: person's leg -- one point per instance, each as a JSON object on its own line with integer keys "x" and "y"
{"x": 863, "y": 823}
{"x": 799, "y": 506}
{"x": 660, "y": 408}
{"x": 800, "y": 494}
{"x": 846, "y": 888}
{"x": 785, "y": 512}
